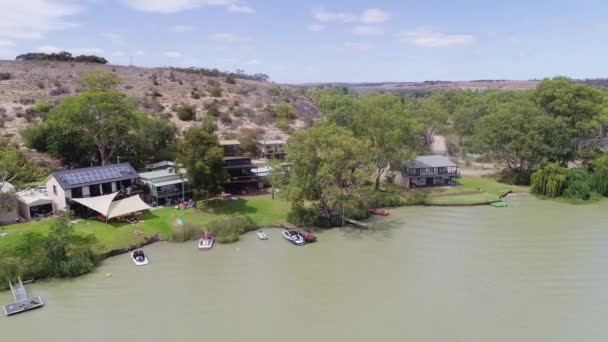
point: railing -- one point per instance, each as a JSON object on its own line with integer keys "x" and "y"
{"x": 169, "y": 192}
{"x": 433, "y": 174}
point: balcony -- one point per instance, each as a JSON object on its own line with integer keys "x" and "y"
{"x": 417, "y": 173}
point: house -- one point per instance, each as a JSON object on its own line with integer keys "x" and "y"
{"x": 8, "y": 214}
{"x": 427, "y": 171}
{"x": 271, "y": 149}
{"x": 232, "y": 148}
{"x": 61, "y": 186}
{"x": 34, "y": 203}
{"x": 165, "y": 185}
{"x": 241, "y": 178}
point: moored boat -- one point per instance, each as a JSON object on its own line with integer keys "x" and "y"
{"x": 261, "y": 235}
{"x": 379, "y": 212}
{"x": 307, "y": 236}
{"x": 293, "y": 236}
{"x": 205, "y": 242}
{"x": 139, "y": 258}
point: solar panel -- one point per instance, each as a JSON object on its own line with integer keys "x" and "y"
{"x": 98, "y": 175}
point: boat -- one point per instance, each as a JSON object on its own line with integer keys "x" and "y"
{"x": 205, "y": 242}
{"x": 293, "y": 236}
{"x": 307, "y": 236}
{"x": 139, "y": 258}
{"x": 261, "y": 235}
{"x": 379, "y": 212}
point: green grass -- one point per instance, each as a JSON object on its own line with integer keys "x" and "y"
{"x": 491, "y": 190}
{"x": 262, "y": 210}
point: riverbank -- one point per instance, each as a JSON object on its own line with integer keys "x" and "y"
{"x": 473, "y": 190}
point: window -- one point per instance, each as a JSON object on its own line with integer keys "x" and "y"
{"x": 55, "y": 189}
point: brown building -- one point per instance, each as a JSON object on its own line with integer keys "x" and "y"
{"x": 231, "y": 148}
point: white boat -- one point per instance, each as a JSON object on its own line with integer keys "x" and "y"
{"x": 205, "y": 242}
{"x": 261, "y": 235}
{"x": 139, "y": 257}
{"x": 293, "y": 237}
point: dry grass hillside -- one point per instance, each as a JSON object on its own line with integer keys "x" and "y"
{"x": 159, "y": 91}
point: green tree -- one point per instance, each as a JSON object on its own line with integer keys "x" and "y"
{"x": 391, "y": 133}
{"x": 57, "y": 245}
{"x": 203, "y": 158}
{"x": 522, "y": 136}
{"x": 208, "y": 124}
{"x": 99, "y": 80}
{"x": 549, "y": 181}
{"x": 431, "y": 113}
{"x": 328, "y": 164}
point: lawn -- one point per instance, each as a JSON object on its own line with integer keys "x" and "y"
{"x": 491, "y": 190}
{"x": 262, "y": 210}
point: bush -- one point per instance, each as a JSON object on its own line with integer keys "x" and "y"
{"x": 579, "y": 185}
{"x": 59, "y": 91}
{"x": 5, "y": 76}
{"x": 195, "y": 94}
{"x": 212, "y": 109}
{"x": 209, "y": 124}
{"x": 26, "y": 100}
{"x": 215, "y": 91}
{"x": 274, "y": 91}
{"x": 188, "y": 232}
{"x": 230, "y": 80}
{"x": 185, "y": 112}
{"x": 228, "y": 229}
{"x": 225, "y": 118}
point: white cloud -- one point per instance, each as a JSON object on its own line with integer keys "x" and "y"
{"x": 33, "y": 19}
{"x": 49, "y": 49}
{"x": 118, "y": 54}
{"x": 316, "y": 27}
{"x": 181, "y": 28}
{"x": 365, "y": 30}
{"x": 4, "y": 43}
{"x": 172, "y": 54}
{"x": 114, "y": 38}
{"x": 228, "y": 37}
{"x": 239, "y": 8}
{"x": 368, "y": 16}
{"x": 426, "y": 37}
{"x": 174, "y": 6}
{"x": 374, "y": 16}
{"x": 354, "y": 47}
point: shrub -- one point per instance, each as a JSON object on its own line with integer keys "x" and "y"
{"x": 26, "y": 100}
{"x": 185, "y": 112}
{"x": 274, "y": 91}
{"x": 5, "y": 76}
{"x": 40, "y": 84}
{"x": 213, "y": 83}
{"x": 579, "y": 185}
{"x": 209, "y": 124}
{"x": 284, "y": 111}
{"x": 59, "y": 91}
{"x": 156, "y": 93}
{"x": 188, "y": 232}
{"x": 228, "y": 229}
{"x": 230, "y": 80}
{"x": 215, "y": 91}
{"x": 212, "y": 109}
{"x": 154, "y": 79}
{"x": 225, "y": 118}
{"x": 195, "y": 94}
{"x": 549, "y": 181}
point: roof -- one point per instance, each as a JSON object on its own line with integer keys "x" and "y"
{"x": 33, "y": 197}
{"x": 272, "y": 142}
{"x": 159, "y": 165}
{"x": 229, "y": 142}
{"x": 235, "y": 158}
{"x": 429, "y": 161}
{"x": 151, "y": 175}
{"x": 6, "y": 187}
{"x": 69, "y": 179}
{"x": 171, "y": 182}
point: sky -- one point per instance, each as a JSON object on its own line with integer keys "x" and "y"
{"x": 324, "y": 41}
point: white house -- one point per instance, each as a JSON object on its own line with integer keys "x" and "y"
{"x": 34, "y": 203}
{"x": 89, "y": 182}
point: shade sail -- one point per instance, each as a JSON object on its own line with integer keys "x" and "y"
{"x": 109, "y": 208}
{"x": 127, "y": 206}
{"x": 100, "y": 204}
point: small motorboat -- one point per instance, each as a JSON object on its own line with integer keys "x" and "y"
{"x": 293, "y": 236}
{"x": 307, "y": 236}
{"x": 261, "y": 235}
{"x": 139, "y": 258}
{"x": 379, "y": 212}
{"x": 205, "y": 242}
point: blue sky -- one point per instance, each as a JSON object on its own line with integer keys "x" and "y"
{"x": 351, "y": 41}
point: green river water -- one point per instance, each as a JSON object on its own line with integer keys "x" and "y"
{"x": 536, "y": 271}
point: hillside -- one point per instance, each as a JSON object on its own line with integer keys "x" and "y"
{"x": 246, "y": 104}
{"x": 412, "y": 87}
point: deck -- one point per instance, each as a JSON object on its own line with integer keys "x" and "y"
{"x": 21, "y": 301}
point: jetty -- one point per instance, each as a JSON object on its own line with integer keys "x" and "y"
{"x": 356, "y": 223}
{"x": 21, "y": 302}
{"x": 287, "y": 225}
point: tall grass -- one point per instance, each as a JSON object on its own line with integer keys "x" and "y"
{"x": 187, "y": 232}
{"x": 228, "y": 229}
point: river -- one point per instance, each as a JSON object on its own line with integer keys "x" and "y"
{"x": 536, "y": 271}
